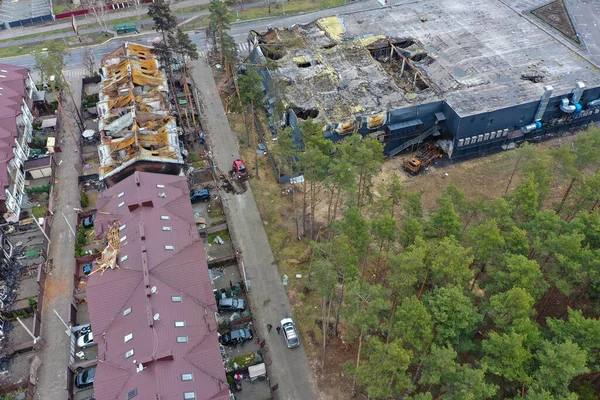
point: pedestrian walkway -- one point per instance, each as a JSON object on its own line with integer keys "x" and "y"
{"x": 58, "y": 293}
{"x": 243, "y": 50}
{"x": 125, "y": 13}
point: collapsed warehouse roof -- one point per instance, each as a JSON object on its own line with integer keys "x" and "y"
{"x": 135, "y": 116}
{"x": 477, "y": 56}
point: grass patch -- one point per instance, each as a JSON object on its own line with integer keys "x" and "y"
{"x": 199, "y": 164}
{"x": 92, "y": 199}
{"x": 291, "y": 8}
{"x": 33, "y": 35}
{"x": 190, "y": 9}
{"x": 224, "y": 234}
{"x": 198, "y": 23}
{"x": 61, "y": 8}
{"x": 215, "y": 210}
{"x": 89, "y": 39}
{"x": 39, "y": 211}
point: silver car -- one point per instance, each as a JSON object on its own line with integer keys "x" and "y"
{"x": 289, "y": 333}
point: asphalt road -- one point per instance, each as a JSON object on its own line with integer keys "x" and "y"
{"x": 58, "y": 293}
{"x": 287, "y": 368}
{"x": 239, "y": 31}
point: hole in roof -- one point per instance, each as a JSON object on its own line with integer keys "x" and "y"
{"x": 305, "y": 113}
{"x": 419, "y": 57}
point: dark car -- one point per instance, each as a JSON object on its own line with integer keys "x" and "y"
{"x": 200, "y": 195}
{"x": 88, "y": 222}
{"x": 231, "y": 305}
{"x": 85, "y": 378}
{"x": 236, "y": 337}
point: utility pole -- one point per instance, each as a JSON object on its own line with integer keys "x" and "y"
{"x": 67, "y": 221}
{"x": 70, "y": 128}
{"x": 68, "y": 331}
{"x": 41, "y": 230}
{"x": 81, "y": 123}
{"x": 35, "y": 339}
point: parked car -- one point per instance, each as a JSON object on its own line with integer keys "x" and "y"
{"x": 200, "y": 195}
{"x": 85, "y": 378}
{"x": 231, "y": 305}
{"x": 289, "y": 333}
{"x": 86, "y": 340}
{"x": 236, "y": 336}
{"x": 238, "y": 169}
{"x": 81, "y": 330}
{"x": 88, "y": 222}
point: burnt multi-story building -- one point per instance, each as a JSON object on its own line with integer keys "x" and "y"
{"x": 472, "y": 75}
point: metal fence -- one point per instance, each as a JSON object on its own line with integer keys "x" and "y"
{"x": 30, "y": 21}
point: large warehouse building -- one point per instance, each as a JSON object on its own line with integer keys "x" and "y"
{"x": 473, "y": 75}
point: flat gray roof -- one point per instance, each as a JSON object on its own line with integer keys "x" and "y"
{"x": 479, "y": 54}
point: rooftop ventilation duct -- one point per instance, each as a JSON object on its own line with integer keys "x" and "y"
{"x": 579, "y": 87}
{"x": 543, "y": 103}
{"x": 594, "y": 103}
{"x": 568, "y": 108}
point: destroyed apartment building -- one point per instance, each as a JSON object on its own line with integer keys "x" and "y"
{"x": 151, "y": 303}
{"x": 136, "y": 122}
{"x": 473, "y": 76}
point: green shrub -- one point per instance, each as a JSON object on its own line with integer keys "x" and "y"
{"x": 85, "y": 201}
{"x": 38, "y": 189}
{"x": 81, "y": 236}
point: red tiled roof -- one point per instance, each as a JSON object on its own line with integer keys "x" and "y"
{"x": 12, "y": 84}
{"x": 138, "y": 204}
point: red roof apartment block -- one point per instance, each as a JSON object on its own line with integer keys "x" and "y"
{"x": 16, "y": 88}
{"x": 153, "y": 317}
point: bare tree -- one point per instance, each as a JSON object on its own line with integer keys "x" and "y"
{"x": 89, "y": 61}
{"x": 98, "y": 10}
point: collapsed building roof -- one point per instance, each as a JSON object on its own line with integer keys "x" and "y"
{"x": 475, "y": 55}
{"x": 150, "y": 297}
{"x": 136, "y": 122}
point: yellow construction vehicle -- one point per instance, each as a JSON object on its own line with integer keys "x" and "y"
{"x": 424, "y": 156}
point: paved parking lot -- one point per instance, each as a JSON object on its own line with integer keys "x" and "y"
{"x": 22, "y": 9}
{"x": 586, "y": 18}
